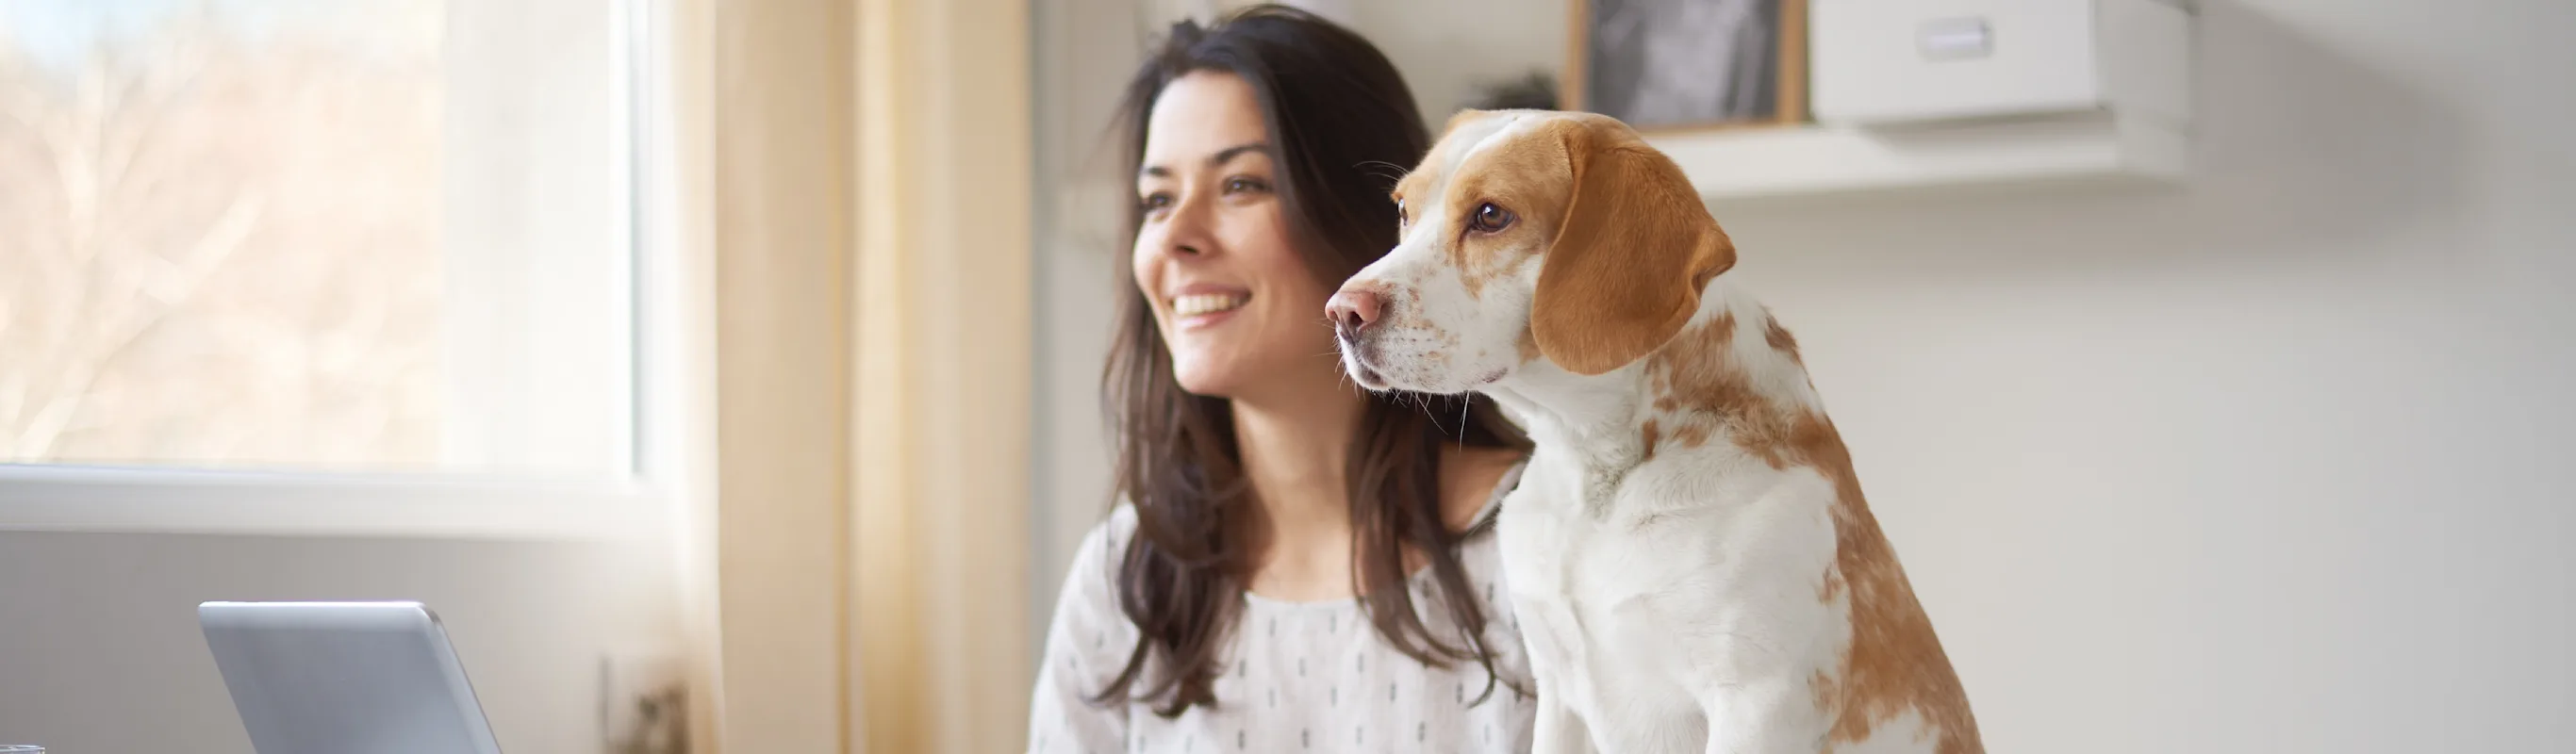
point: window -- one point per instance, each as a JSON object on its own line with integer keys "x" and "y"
{"x": 359, "y": 235}
{"x": 340, "y": 240}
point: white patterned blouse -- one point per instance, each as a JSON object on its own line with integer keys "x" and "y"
{"x": 1300, "y": 676}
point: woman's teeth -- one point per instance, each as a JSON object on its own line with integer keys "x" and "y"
{"x": 1208, "y": 303}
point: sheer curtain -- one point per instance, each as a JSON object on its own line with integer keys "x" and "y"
{"x": 854, "y": 177}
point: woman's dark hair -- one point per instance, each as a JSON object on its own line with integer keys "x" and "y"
{"x": 1341, "y": 122}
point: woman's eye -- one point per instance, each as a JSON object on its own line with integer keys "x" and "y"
{"x": 1489, "y": 218}
{"x": 1240, "y": 185}
{"x": 1153, "y": 202}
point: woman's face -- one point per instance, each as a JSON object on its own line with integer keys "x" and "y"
{"x": 1236, "y": 304}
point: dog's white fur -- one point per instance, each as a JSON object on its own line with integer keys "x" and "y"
{"x": 1685, "y": 574}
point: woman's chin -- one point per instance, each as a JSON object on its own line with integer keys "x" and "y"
{"x": 1212, "y": 383}
{"x": 1235, "y": 376}
{"x": 1227, "y": 380}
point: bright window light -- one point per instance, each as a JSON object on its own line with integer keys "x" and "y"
{"x": 318, "y": 237}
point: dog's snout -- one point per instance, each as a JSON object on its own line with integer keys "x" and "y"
{"x": 1353, "y": 310}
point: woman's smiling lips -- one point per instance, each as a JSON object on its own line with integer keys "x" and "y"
{"x": 1201, "y": 305}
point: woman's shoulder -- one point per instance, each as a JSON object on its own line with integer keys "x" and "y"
{"x": 1090, "y": 629}
{"x": 1474, "y": 481}
{"x": 1094, "y": 570}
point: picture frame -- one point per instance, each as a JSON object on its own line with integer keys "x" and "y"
{"x": 1651, "y": 63}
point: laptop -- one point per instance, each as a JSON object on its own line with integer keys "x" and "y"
{"x": 345, "y": 678}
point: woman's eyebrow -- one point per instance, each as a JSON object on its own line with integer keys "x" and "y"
{"x": 1228, "y": 154}
{"x": 1219, "y": 159}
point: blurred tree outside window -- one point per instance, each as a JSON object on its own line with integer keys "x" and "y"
{"x": 226, "y": 232}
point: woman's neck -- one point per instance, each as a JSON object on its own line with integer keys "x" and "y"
{"x": 1297, "y": 459}
{"x": 1296, "y": 456}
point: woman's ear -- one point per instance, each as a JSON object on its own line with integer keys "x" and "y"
{"x": 1634, "y": 249}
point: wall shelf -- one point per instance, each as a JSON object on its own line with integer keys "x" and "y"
{"x": 1941, "y": 93}
{"x": 1820, "y": 159}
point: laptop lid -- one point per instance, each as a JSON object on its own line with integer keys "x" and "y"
{"x": 345, "y": 678}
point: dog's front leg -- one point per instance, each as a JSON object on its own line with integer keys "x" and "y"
{"x": 1770, "y": 717}
{"x": 1556, "y": 729}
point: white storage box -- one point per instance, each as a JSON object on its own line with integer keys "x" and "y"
{"x": 1893, "y": 62}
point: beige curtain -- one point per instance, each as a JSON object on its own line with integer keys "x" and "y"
{"x": 855, "y": 180}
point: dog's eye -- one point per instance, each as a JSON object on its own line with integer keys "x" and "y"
{"x": 1489, "y": 219}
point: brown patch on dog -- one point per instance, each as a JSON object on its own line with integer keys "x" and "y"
{"x": 1697, "y": 387}
{"x": 1529, "y": 177}
{"x": 1693, "y": 362}
{"x": 1464, "y": 117}
{"x": 1693, "y": 434}
{"x": 1780, "y": 339}
{"x": 1634, "y": 246}
{"x": 1895, "y": 661}
{"x": 1653, "y": 432}
{"x": 1521, "y": 176}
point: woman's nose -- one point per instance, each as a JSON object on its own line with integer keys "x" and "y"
{"x": 1186, "y": 231}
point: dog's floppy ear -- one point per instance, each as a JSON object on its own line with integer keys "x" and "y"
{"x": 1632, "y": 252}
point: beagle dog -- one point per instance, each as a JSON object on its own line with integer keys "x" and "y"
{"x": 1688, "y": 553}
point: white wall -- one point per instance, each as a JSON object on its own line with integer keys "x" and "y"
{"x": 100, "y": 650}
{"x": 1449, "y": 49}
{"x": 2270, "y": 462}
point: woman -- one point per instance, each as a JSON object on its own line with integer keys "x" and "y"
{"x": 1299, "y": 564}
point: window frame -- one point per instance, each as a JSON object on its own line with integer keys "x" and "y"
{"x": 76, "y": 497}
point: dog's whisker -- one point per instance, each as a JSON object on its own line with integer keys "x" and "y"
{"x": 1465, "y": 402}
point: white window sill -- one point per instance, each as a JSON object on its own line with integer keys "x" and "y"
{"x": 95, "y": 499}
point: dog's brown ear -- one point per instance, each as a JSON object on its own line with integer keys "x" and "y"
{"x": 1631, "y": 254}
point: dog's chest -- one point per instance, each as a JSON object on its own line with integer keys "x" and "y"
{"x": 1560, "y": 548}
{"x": 1686, "y": 549}
{"x": 1560, "y": 518}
